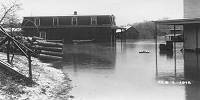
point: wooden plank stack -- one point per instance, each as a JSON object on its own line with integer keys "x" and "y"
{"x": 48, "y": 50}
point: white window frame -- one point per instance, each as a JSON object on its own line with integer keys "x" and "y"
{"x": 93, "y": 19}
{"x": 76, "y": 20}
{"x": 35, "y": 21}
{"x": 113, "y": 20}
{"x": 43, "y": 34}
{"x": 55, "y": 24}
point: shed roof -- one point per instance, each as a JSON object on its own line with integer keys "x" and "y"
{"x": 179, "y": 21}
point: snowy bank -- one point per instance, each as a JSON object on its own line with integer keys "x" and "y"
{"x": 52, "y": 83}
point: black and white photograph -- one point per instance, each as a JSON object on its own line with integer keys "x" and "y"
{"x": 99, "y": 50}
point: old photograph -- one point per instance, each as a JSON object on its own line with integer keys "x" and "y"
{"x": 99, "y": 49}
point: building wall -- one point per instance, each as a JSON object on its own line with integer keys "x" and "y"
{"x": 192, "y": 73}
{"x": 191, "y": 66}
{"x": 191, "y": 8}
{"x": 98, "y": 34}
{"x": 191, "y": 37}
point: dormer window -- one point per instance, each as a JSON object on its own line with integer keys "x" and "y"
{"x": 37, "y": 21}
{"x": 93, "y": 20}
{"x": 55, "y": 21}
{"x": 74, "y": 21}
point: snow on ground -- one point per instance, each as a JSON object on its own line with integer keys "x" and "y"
{"x": 52, "y": 83}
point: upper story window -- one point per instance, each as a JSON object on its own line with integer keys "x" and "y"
{"x": 94, "y": 20}
{"x": 55, "y": 21}
{"x": 37, "y": 21}
{"x": 113, "y": 20}
{"x": 74, "y": 21}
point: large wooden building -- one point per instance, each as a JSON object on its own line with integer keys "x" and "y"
{"x": 98, "y": 28}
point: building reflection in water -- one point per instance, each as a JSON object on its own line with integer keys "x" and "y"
{"x": 168, "y": 54}
{"x": 192, "y": 73}
{"x": 89, "y": 56}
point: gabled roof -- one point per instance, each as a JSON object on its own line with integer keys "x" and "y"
{"x": 179, "y": 21}
{"x": 132, "y": 28}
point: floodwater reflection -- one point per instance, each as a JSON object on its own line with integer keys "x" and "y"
{"x": 97, "y": 56}
{"x": 106, "y": 72}
{"x": 168, "y": 53}
{"x": 192, "y": 72}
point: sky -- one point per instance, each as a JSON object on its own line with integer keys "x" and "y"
{"x": 125, "y": 11}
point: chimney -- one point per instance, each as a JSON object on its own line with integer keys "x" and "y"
{"x": 75, "y": 12}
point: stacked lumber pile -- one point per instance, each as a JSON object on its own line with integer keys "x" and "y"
{"x": 48, "y": 50}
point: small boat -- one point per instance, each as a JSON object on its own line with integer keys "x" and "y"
{"x": 144, "y": 51}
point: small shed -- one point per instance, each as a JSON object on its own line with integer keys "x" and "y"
{"x": 191, "y": 31}
{"x": 131, "y": 33}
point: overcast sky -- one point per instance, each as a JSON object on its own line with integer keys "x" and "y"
{"x": 126, "y": 11}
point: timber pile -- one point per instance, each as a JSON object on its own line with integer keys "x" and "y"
{"x": 48, "y": 50}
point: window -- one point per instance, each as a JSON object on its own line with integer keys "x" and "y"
{"x": 113, "y": 20}
{"x": 37, "y": 21}
{"x": 74, "y": 21}
{"x": 43, "y": 35}
{"x": 93, "y": 20}
{"x": 55, "y": 21}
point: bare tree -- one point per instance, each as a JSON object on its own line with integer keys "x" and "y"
{"x": 8, "y": 15}
{"x": 8, "y": 11}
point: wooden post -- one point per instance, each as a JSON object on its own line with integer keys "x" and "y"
{"x": 174, "y": 41}
{"x": 197, "y": 44}
{"x": 124, "y": 35}
{"x": 121, "y": 36}
{"x": 29, "y": 65}
{"x": 121, "y": 39}
{"x": 197, "y": 38}
{"x": 111, "y": 37}
{"x": 8, "y": 51}
{"x": 115, "y": 36}
{"x": 156, "y": 44}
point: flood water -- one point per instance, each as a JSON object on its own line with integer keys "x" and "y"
{"x": 106, "y": 72}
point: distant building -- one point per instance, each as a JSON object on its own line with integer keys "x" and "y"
{"x": 131, "y": 33}
{"x": 99, "y": 28}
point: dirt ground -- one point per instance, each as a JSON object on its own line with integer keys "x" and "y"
{"x": 51, "y": 83}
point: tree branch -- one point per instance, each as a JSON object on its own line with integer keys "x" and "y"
{"x": 10, "y": 8}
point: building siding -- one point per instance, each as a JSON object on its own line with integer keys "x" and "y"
{"x": 191, "y": 39}
{"x": 191, "y": 8}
